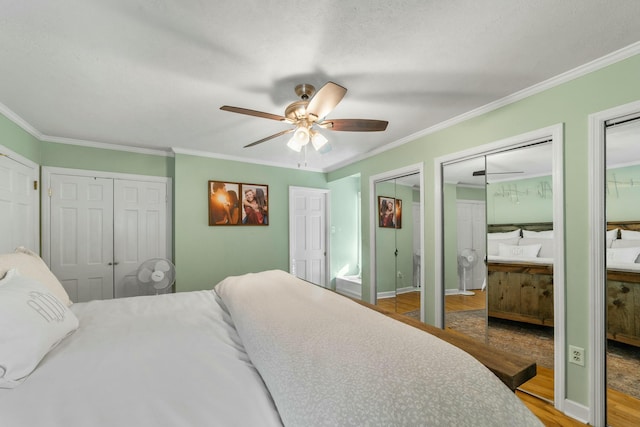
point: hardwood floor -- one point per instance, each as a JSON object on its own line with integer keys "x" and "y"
{"x": 536, "y": 393}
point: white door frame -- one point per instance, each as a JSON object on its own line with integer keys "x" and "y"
{"x": 35, "y": 221}
{"x": 46, "y": 205}
{"x": 598, "y": 272}
{"x": 556, "y": 133}
{"x": 327, "y": 235}
{"x": 373, "y": 222}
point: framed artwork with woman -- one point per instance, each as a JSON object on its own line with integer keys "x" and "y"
{"x": 255, "y": 204}
{"x": 389, "y": 212}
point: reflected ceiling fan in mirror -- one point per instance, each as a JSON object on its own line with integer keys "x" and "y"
{"x": 484, "y": 172}
{"x": 308, "y": 116}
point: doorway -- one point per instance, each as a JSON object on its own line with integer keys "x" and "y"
{"x": 308, "y": 238}
{"x": 19, "y": 202}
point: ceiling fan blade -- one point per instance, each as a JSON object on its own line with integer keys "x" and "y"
{"x": 354, "y": 125}
{"x": 483, "y": 173}
{"x": 254, "y": 113}
{"x": 269, "y": 137}
{"x": 325, "y": 100}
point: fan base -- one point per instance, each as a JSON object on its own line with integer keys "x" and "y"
{"x": 468, "y": 293}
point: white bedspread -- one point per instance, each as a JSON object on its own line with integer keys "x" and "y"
{"x": 168, "y": 360}
{"x": 329, "y": 361}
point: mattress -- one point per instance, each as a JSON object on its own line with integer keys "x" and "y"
{"x": 167, "y": 360}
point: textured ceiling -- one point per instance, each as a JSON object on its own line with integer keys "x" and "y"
{"x": 153, "y": 74}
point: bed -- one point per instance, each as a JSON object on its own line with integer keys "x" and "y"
{"x": 520, "y": 272}
{"x": 623, "y": 282}
{"x": 521, "y": 287}
{"x": 259, "y": 349}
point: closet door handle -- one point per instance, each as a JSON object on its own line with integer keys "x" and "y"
{"x": 112, "y": 263}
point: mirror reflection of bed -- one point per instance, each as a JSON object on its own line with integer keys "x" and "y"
{"x": 622, "y": 197}
{"x": 501, "y": 207}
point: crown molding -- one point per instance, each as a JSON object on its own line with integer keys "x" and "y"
{"x": 106, "y": 146}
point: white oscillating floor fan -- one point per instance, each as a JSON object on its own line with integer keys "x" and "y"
{"x": 467, "y": 259}
{"x": 160, "y": 273}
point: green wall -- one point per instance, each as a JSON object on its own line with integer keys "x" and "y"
{"x": 623, "y": 191}
{"x": 16, "y": 139}
{"x": 389, "y": 239}
{"x": 520, "y": 201}
{"x": 89, "y": 158}
{"x": 569, "y": 103}
{"x": 205, "y": 255}
{"x": 344, "y": 226}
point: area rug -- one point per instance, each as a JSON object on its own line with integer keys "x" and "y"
{"x": 531, "y": 340}
{"x": 623, "y": 361}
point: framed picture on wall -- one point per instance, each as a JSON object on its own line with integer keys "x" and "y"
{"x": 390, "y": 212}
{"x": 387, "y": 212}
{"x": 224, "y": 203}
{"x": 398, "y": 213}
{"x": 255, "y": 204}
{"x": 235, "y": 203}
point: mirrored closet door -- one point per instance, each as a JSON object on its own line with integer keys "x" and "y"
{"x": 499, "y": 248}
{"x": 397, "y": 235}
{"x": 622, "y": 196}
{"x": 464, "y": 213}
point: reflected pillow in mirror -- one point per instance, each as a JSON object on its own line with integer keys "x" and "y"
{"x": 520, "y": 251}
{"x": 547, "y": 246}
{"x": 492, "y": 245}
{"x": 620, "y": 244}
{"x": 546, "y": 234}
{"x": 504, "y": 235}
{"x": 630, "y": 235}
{"x": 612, "y": 235}
{"x": 624, "y": 255}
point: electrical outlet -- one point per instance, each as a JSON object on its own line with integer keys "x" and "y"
{"x": 576, "y": 355}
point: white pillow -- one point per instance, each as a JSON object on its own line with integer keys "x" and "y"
{"x": 630, "y": 235}
{"x": 520, "y": 251}
{"x": 31, "y": 265}
{"x": 492, "y": 245}
{"x": 612, "y": 234}
{"x": 547, "y": 246}
{"x": 32, "y": 322}
{"x": 546, "y": 234}
{"x": 624, "y": 255}
{"x": 505, "y": 235}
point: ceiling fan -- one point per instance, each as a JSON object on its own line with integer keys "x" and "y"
{"x": 309, "y": 114}
{"x": 484, "y": 172}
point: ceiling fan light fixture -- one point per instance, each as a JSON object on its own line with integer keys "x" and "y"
{"x": 294, "y": 144}
{"x": 299, "y": 139}
{"x": 318, "y": 140}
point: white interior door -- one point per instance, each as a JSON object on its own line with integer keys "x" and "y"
{"x": 81, "y": 230}
{"x": 472, "y": 234}
{"x": 308, "y": 216}
{"x": 140, "y": 231}
{"x": 19, "y": 203}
